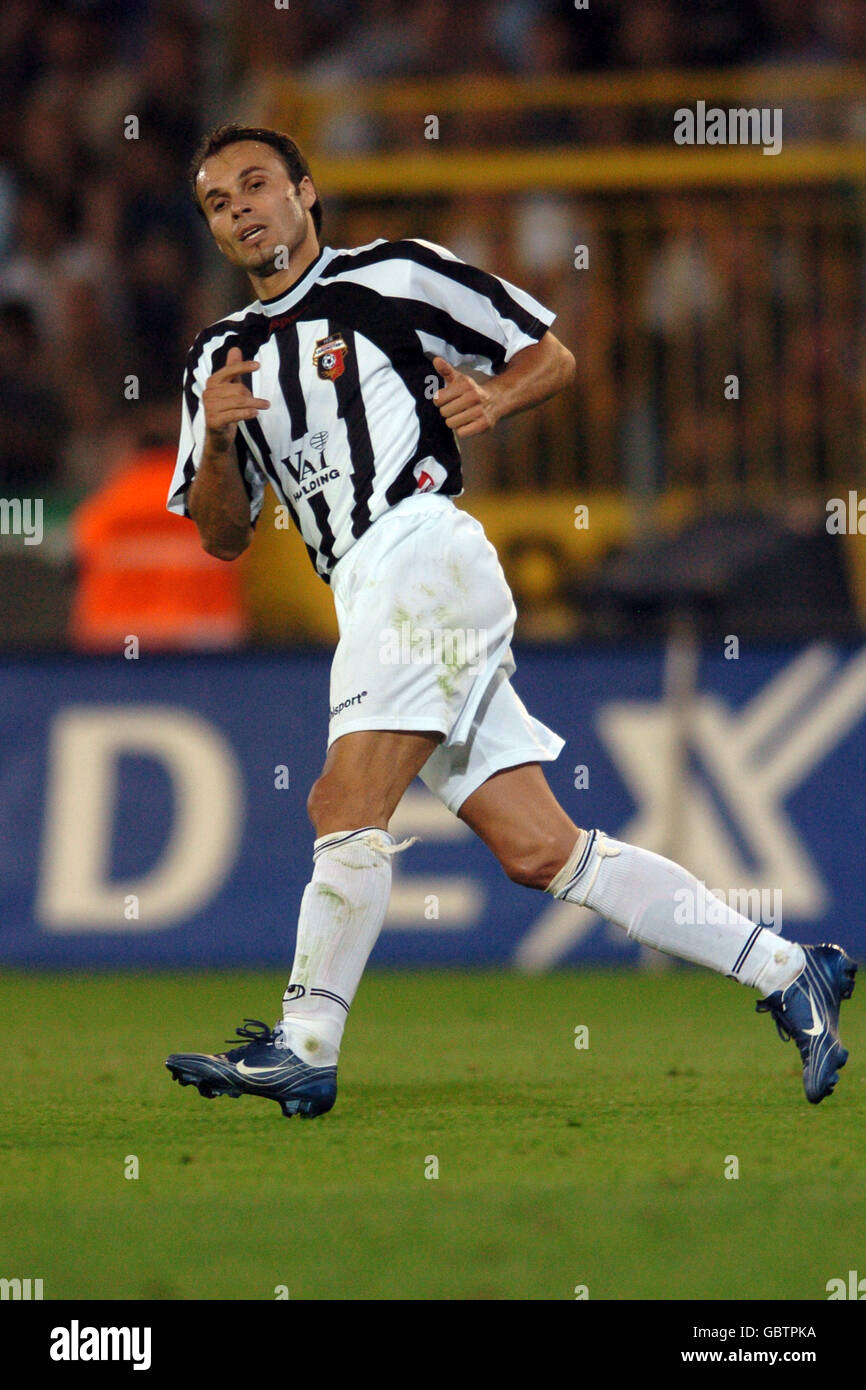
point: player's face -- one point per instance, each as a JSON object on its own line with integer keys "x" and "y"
{"x": 252, "y": 207}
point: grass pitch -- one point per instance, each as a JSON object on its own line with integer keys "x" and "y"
{"x": 559, "y": 1167}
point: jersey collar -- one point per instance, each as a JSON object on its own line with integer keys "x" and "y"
{"x": 290, "y": 297}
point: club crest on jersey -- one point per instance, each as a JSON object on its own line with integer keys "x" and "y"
{"x": 329, "y": 357}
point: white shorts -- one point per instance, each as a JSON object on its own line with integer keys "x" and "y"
{"x": 426, "y": 619}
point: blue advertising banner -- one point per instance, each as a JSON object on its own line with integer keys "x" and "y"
{"x": 153, "y": 810}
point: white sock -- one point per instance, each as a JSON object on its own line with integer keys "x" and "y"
{"x": 660, "y": 904}
{"x": 342, "y": 912}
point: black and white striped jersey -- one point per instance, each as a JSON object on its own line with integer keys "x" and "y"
{"x": 345, "y": 359}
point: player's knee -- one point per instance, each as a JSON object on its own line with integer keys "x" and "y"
{"x": 322, "y": 802}
{"x": 332, "y": 806}
{"x": 533, "y": 866}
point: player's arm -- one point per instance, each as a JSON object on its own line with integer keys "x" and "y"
{"x": 218, "y": 502}
{"x": 533, "y": 375}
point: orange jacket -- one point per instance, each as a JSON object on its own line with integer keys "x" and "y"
{"x": 142, "y": 571}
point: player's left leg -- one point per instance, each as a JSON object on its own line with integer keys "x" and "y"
{"x": 515, "y": 813}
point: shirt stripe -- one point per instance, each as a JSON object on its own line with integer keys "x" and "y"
{"x": 346, "y": 363}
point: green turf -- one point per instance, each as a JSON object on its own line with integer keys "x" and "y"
{"x": 558, "y": 1167}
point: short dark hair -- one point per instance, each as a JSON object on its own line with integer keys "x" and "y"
{"x": 231, "y": 134}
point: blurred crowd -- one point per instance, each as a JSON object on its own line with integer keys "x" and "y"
{"x": 105, "y": 275}
{"x": 99, "y": 247}
{"x": 369, "y": 39}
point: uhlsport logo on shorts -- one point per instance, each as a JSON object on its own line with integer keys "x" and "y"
{"x": 345, "y": 704}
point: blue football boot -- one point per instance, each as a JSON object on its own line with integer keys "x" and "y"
{"x": 263, "y": 1066}
{"x": 808, "y": 1011}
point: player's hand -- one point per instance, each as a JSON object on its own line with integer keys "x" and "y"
{"x": 227, "y": 400}
{"x": 466, "y": 407}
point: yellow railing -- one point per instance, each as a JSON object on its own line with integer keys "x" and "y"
{"x": 430, "y": 170}
{"x": 304, "y": 106}
{"x": 718, "y": 324}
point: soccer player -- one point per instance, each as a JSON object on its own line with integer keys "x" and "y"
{"x": 347, "y": 350}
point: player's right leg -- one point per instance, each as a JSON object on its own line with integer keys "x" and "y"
{"x": 344, "y": 904}
{"x": 342, "y": 911}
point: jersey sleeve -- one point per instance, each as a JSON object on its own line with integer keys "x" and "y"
{"x": 199, "y": 366}
{"x": 466, "y": 315}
